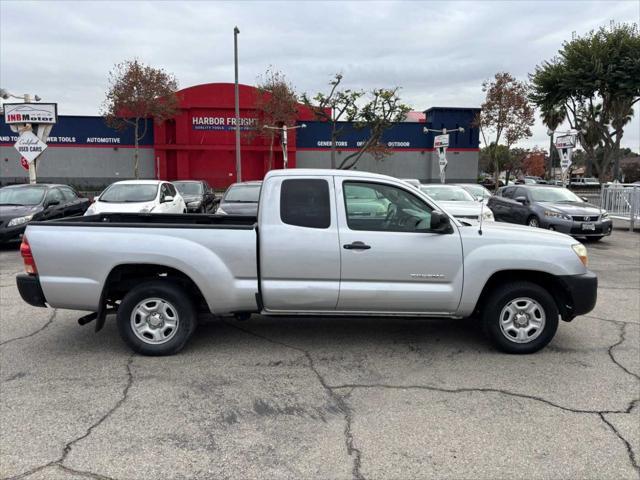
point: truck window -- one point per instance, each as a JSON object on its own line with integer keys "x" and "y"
{"x": 380, "y": 207}
{"x": 304, "y": 202}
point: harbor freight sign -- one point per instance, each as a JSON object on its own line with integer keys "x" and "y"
{"x": 46, "y": 113}
{"x": 29, "y": 146}
{"x": 200, "y": 122}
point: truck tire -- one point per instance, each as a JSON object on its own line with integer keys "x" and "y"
{"x": 520, "y": 317}
{"x": 156, "y": 318}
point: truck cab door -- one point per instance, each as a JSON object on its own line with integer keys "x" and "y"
{"x": 390, "y": 259}
{"x": 298, "y": 254}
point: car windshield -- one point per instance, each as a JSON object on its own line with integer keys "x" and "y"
{"x": 130, "y": 193}
{"x": 243, "y": 194}
{"x": 21, "y": 195}
{"x": 553, "y": 195}
{"x": 448, "y": 193}
{"x": 477, "y": 191}
{"x": 189, "y": 188}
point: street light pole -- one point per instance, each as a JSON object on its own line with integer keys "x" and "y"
{"x": 236, "y": 31}
{"x": 284, "y": 139}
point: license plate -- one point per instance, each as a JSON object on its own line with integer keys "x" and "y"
{"x": 588, "y": 226}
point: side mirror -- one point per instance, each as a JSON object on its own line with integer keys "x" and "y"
{"x": 168, "y": 198}
{"x": 585, "y": 199}
{"x": 522, "y": 200}
{"x": 440, "y": 223}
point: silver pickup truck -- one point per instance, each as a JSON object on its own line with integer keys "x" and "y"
{"x": 325, "y": 242}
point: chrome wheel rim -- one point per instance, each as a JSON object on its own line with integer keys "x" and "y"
{"x": 154, "y": 321}
{"x": 522, "y": 320}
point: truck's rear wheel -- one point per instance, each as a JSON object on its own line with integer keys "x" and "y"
{"x": 520, "y": 317}
{"x": 156, "y": 318}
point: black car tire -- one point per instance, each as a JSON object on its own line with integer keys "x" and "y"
{"x": 533, "y": 221}
{"x": 506, "y": 294}
{"x": 179, "y": 302}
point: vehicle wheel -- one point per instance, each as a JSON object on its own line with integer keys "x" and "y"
{"x": 533, "y": 221}
{"x": 156, "y": 318}
{"x": 520, "y": 317}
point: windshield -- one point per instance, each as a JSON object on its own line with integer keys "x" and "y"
{"x": 243, "y": 194}
{"x": 447, "y": 194}
{"x": 477, "y": 191}
{"x": 21, "y": 195}
{"x": 553, "y": 195}
{"x": 130, "y": 193}
{"x": 189, "y": 188}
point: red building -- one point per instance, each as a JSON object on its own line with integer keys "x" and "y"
{"x": 200, "y": 141}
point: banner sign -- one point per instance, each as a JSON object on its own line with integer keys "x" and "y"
{"x": 440, "y": 143}
{"x": 30, "y": 146}
{"x": 84, "y": 131}
{"x": 30, "y": 113}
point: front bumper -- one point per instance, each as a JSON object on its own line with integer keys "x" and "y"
{"x": 581, "y": 293}
{"x": 30, "y": 290}
{"x": 575, "y": 228}
{"x": 10, "y": 233}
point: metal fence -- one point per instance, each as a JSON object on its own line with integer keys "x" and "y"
{"x": 622, "y": 201}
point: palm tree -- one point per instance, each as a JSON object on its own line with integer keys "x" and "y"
{"x": 552, "y": 117}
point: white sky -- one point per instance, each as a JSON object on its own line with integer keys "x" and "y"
{"x": 438, "y": 52}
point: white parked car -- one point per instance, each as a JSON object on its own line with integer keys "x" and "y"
{"x": 458, "y": 202}
{"x": 138, "y": 196}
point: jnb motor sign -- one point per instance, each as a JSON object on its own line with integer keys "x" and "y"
{"x": 199, "y": 143}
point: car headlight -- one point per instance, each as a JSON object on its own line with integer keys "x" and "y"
{"x": 604, "y": 216}
{"x": 563, "y": 216}
{"x": 581, "y": 251}
{"x": 19, "y": 221}
{"x": 487, "y": 215}
{"x": 195, "y": 204}
{"x": 147, "y": 209}
{"x": 220, "y": 211}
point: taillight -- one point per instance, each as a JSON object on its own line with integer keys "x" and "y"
{"x": 27, "y": 257}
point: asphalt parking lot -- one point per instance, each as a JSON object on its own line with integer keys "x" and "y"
{"x": 325, "y": 398}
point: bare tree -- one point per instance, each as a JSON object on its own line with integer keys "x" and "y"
{"x": 136, "y": 93}
{"x": 506, "y": 114}
{"x": 276, "y": 104}
{"x": 338, "y": 105}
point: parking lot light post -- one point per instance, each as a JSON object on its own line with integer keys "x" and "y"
{"x": 284, "y": 140}
{"x": 236, "y": 31}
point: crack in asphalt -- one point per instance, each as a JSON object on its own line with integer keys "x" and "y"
{"x": 623, "y": 333}
{"x": 352, "y": 450}
{"x": 48, "y": 322}
{"x": 630, "y": 452}
{"x": 610, "y": 320}
{"x": 69, "y": 445}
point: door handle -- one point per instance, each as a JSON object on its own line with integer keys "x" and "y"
{"x": 356, "y": 246}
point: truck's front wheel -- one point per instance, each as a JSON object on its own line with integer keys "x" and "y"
{"x": 156, "y": 318}
{"x": 520, "y": 317}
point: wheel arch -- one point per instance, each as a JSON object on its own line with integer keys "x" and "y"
{"x": 548, "y": 281}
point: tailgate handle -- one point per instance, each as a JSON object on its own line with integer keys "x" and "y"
{"x": 357, "y": 246}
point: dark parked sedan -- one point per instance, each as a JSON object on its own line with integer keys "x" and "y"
{"x": 240, "y": 199}
{"x": 20, "y": 204}
{"x": 552, "y": 207}
{"x": 197, "y": 195}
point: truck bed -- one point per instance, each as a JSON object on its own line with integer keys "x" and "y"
{"x": 156, "y": 220}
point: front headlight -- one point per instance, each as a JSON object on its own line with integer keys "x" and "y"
{"x": 487, "y": 215}
{"x": 147, "y": 209}
{"x": 195, "y": 204}
{"x": 549, "y": 213}
{"x": 220, "y": 211}
{"x": 604, "y": 216}
{"x": 581, "y": 251}
{"x": 19, "y": 221}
